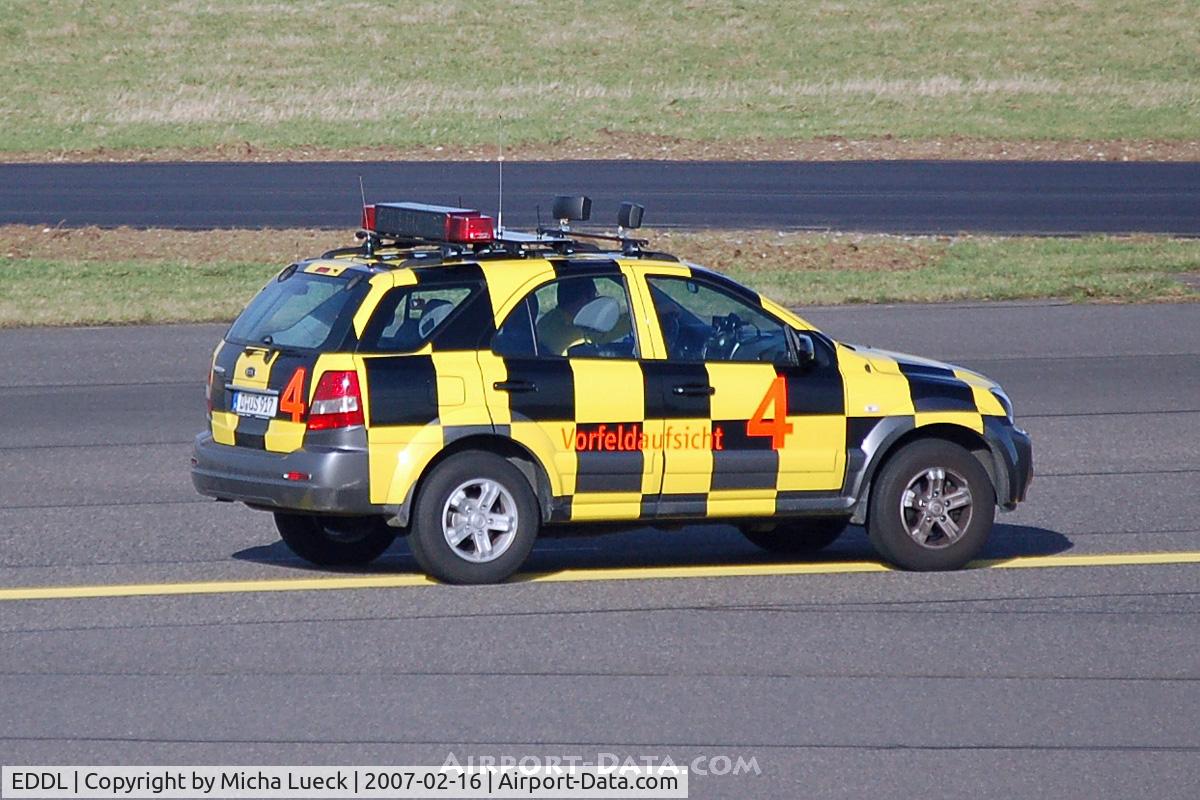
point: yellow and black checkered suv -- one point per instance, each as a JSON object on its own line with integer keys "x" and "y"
{"x": 467, "y": 387}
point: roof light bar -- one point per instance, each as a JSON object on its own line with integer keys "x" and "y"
{"x": 430, "y": 223}
{"x": 418, "y": 225}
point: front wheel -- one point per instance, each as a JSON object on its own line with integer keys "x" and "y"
{"x": 475, "y": 520}
{"x": 799, "y": 536}
{"x": 330, "y": 541}
{"x": 931, "y": 507}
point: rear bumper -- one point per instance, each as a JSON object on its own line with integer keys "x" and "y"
{"x": 338, "y": 481}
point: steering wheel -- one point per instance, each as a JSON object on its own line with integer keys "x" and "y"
{"x": 723, "y": 339}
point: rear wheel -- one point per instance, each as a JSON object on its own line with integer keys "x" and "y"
{"x": 806, "y": 535}
{"x": 334, "y": 541}
{"x": 932, "y": 507}
{"x": 475, "y": 520}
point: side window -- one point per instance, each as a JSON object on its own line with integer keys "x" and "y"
{"x": 701, "y": 322}
{"x": 516, "y": 337}
{"x": 578, "y": 316}
{"x": 408, "y": 316}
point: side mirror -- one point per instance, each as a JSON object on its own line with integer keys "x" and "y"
{"x": 806, "y": 351}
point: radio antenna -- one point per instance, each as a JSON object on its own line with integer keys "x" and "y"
{"x": 500, "y": 162}
{"x": 368, "y": 244}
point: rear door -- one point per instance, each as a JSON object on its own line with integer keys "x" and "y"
{"x": 566, "y": 382}
{"x": 422, "y": 386}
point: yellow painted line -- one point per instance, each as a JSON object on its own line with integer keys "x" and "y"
{"x": 213, "y": 587}
{"x": 1097, "y": 560}
{"x": 572, "y": 576}
{"x": 702, "y": 571}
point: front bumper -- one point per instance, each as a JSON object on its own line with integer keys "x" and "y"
{"x": 338, "y": 471}
{"x": 1012, "y": 451}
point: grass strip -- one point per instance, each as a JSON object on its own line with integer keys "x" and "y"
{"x": 120, "y": 76}
{"x": 124, "y": 276}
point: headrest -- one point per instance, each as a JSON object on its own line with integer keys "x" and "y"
{"x": 599, "y": 315}
{"x": 433, "y": 317}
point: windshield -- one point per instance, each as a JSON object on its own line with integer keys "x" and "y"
{"x": 300, "y": 310}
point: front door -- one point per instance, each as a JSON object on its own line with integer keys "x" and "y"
{"x": 747, "y": 430}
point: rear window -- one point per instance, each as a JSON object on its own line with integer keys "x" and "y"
{"x": 409, "y": 316}
{"x": 301, "y": 310}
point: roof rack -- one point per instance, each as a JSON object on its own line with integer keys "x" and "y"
{"x": 411, "y": 231}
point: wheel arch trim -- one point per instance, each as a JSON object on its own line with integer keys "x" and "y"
{"x": 891, "y": 434}
{"x": 508, "y": 448}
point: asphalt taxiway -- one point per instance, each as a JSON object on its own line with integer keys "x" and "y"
{"x": 1065, "y": 665}
{"x": 944, "y": 197}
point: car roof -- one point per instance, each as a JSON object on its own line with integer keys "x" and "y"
{"x": 431, "y": 265}
{"x": 420, "y": 243}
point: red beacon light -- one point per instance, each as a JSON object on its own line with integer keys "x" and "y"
{"x": 428, "y": 223}
{"x": 467, "y": 229}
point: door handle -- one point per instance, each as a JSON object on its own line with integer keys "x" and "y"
{"x": 514, "y": 386}
{"x": 694, "y": 390}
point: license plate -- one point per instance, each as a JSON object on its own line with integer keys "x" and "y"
{"x": 253, "y": 404}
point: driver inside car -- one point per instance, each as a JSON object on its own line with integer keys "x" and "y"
{"x": 558, "y": 330}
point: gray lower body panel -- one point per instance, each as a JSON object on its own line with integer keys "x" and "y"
{"x": 337, "y": 483}
{"x": 1013, "y": 451}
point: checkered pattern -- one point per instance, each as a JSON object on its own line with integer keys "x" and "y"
{"x": 417, "y": 404}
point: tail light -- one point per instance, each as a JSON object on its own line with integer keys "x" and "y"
{"x": 336, "y": 403}
{"x": 208, "y": 392}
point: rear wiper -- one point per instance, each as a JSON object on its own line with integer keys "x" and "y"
{"x": 269, "y": 342}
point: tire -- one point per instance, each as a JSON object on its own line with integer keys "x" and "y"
{"x": 900, "y": 527}
{"x": 330, "y": 541}
{"x": 798, "y": 536}
{"x": 493, "y": 542}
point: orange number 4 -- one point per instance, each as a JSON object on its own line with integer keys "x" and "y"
{"x": 292, "y": 399}
{"x": 777, "y": 427}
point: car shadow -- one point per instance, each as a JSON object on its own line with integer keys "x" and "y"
{"x": 1009, "y": 542}
{"x": 698, "y": 545}
{"x": 397, "y": 560}
{"x": 723, "y": 545}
